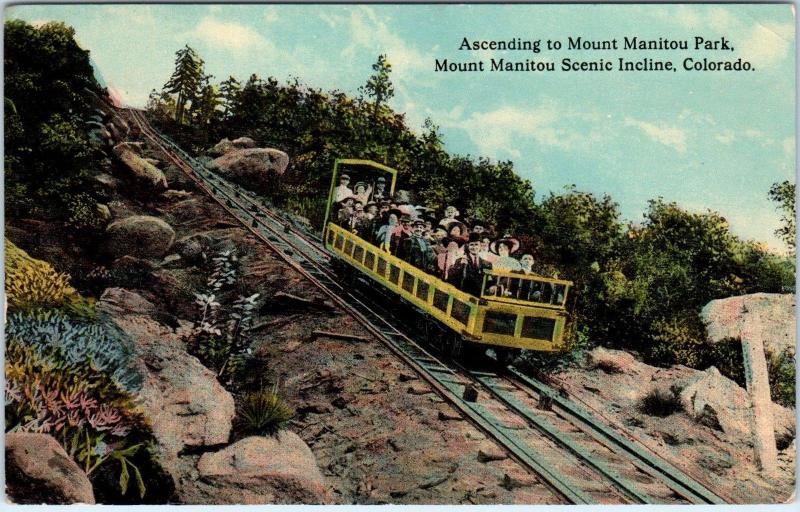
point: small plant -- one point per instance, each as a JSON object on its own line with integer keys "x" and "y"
{"x": 660, "y": 403}
{"x": 608, "y": 366}
{"x": 32, "y": 283}
{"x": 84, "y": 214}
{"x": 263, "y": 412}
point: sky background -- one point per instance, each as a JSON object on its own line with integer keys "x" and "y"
{"x": 705, "y": 140}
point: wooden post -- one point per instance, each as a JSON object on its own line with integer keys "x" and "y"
{"x": 757, "y": 376}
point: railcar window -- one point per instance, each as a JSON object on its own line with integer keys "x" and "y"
{"x": 408, "y": 282}
{"x": 358, "y": 253}
{"x": 460, "y": 311}
{"x": 382, "y": 267}
{"x": 440, "y": 299}
{"x": 330, "y": 237}
{"x": 538, "y": 328}
{"x": 558, "y": 295}
{"x": 496, "y": 322}
{"x": 369, "y": 261}
{"x": 394, "y": 274}
{"x": 339, "y": 242}
{"x": 348, "y": 247}
{"x": 422, "y": 290}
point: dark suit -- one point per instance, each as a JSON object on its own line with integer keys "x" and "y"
{"x": 418, "y": 252}
{"x": 469, "y": 272}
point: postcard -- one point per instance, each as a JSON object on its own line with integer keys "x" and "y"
{"x": 413, "y": 254}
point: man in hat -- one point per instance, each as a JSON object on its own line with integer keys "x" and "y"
{"x": 346, "y": 211}
{"x": 402, "y": 233}
{"x": 470, "y": 268}
{"x": 343, "y": 191}
{"x": 416, "y": 250}
{"x": 380, "y": 190}
{"x": 362, "y": 192}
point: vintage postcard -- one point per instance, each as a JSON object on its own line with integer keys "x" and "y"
{"x": 420, "y": 254}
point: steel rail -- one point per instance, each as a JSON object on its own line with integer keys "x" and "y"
{"x": 676, "y": 479}
{"x": 430, "y": 368}
{"x": 427, "y": 366}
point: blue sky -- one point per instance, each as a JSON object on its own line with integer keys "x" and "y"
{"x": 706, "y": 140}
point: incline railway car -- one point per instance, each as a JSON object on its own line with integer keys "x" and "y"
{"x": 507, "y": 322}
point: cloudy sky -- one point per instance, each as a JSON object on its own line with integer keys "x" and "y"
{"x": 706, "y": 140}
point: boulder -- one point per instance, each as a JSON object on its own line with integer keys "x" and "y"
{"x": 182, "y": 400}
{"x": 103, "y": 212}
{"x": 774, "y": 312}
{"x": 119, "y": 301}
{"x": 142, "y": 170}
{"x": 141, "y": 236}
{"x": 190, "y": 250}
{"x": 718, "y": 402}
{"x": 612, "y": 361}
{"x": 38, "y": 470}
{"x": 251, "y": 165}
{"x": 152, "y": 161}
{"x": 258, "y": 470}
{"x": 107, "y": 181}
{"x": 176, "y": 194}
{"x": 226, "y": 145}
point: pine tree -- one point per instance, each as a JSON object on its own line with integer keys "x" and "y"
{"x": 229, "y": 91}
{"x": 379, "y": 86}
{"x": 204, "y": 109}
{"x": 186, "y": 80}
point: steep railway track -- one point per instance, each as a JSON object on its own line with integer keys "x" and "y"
{"x": 573, "y": 453}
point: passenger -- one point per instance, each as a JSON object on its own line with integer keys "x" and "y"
{"x": 386, "y": 233}
{"x": 438, "y": 237}
{"x": 401, "y": 234}
{"x": 470, "y": 268}
{"x": 503, "y": 248}
{"x": 380, "y": 190}
{"x": 358, "y": 216}
{"x": 526, "y": 262}
{"x": 485, "y": 253}
{"x": 362, "y": 191}
{"x": 478, "y": 227}
{"x": 457, "y": 229}
{"x": 525, "y": 289}
{"x": 342, "y": 192}
{"x": 447, "y": 259}
{"x": 416, "y": 250}
{"x": 345, "y": 213}
{"x": 450, "y": 214}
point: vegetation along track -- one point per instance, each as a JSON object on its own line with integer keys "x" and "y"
{"x": 574, "y": 455}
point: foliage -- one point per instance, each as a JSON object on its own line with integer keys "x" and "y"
{"x": 34, "y": 284}
{"x": 784, "y": 194}
{"x": 379, "y": 86}
{"x": 782, "y": 378}
{"x": 49, "y": 154}
{"x": 263, "y": 412}
{"x": 660, "y": 402}
{"x": 84, "y": 214}
{"x": 186, "y": 80}
{"x": 219, "y": 335}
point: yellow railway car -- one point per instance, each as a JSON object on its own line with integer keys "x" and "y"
{"x": 527, "y": 312}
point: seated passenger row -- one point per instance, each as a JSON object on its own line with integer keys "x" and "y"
{"x": 448, "y": 248}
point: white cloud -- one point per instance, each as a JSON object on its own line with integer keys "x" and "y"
{"x": 137, "y": 14}
{"x": 767, "y": 44}
{"x": 669, "y": 136}
{"x": 725, "y": 137}
{"x": 789, "y": 147}
{"x": 229, "y": 35}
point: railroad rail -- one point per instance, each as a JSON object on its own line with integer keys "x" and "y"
{"x": 539, "y": 446}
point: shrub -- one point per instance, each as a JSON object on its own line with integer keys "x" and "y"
{"x": 678, "y": 340}
{"x": 782, "y": 378}
{"x": 661, "y": 403}
{"x": 263, "y": 412}
{"x": 33, "y": 283}
{"x": 83, "y": 213}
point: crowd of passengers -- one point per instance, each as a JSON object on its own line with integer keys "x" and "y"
{"x": 456, "y": 251}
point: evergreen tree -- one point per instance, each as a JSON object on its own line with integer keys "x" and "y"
{"x": 185, "y": 80}
{"x": 784, "y": 194}
{"x": 229, "y": 91}
{"x": 205, "y": 108}
{"x": 379, "y": 86}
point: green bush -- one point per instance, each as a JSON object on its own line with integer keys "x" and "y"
{"x": 660, "y": 403}
{"x": 782, "y": 378}
{"x": 263, "y": 412}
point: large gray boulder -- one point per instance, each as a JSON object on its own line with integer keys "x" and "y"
{"x": 258, "y": 470}
{"x": 182, "y": 400}
{"x": 718, "y": 402}
{"x": 226, "y": 145}
{"x": 140, "y": 236}
{"x": 251, "y": 165}
{"x": 38, "y": 470}
{"x": 143, "y": 171}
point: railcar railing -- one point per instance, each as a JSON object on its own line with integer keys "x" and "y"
{"x": 525, "y": 289}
